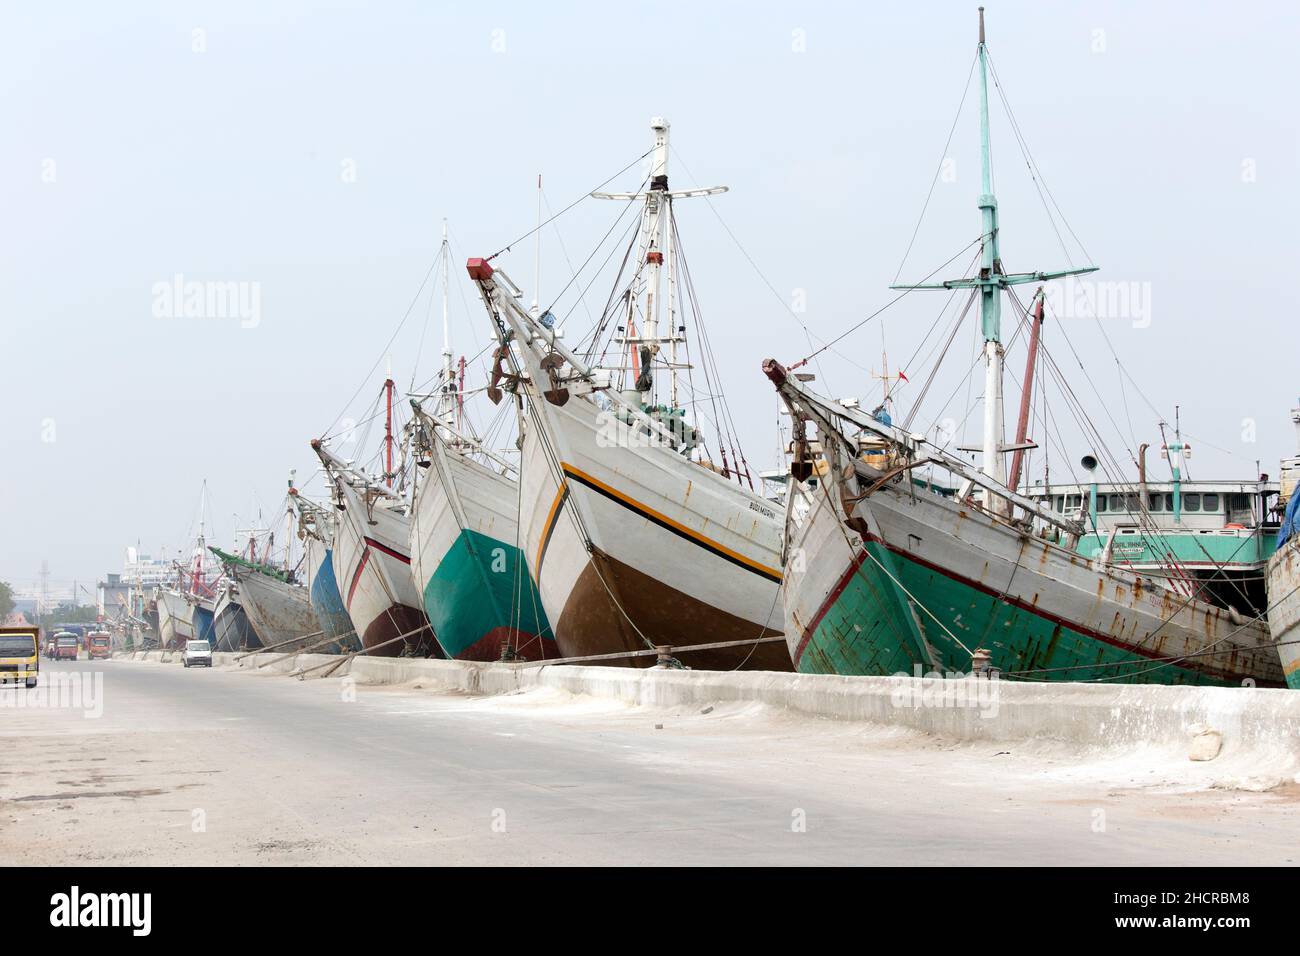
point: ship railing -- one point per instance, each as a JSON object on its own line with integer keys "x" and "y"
{"x": 826, "y": 412}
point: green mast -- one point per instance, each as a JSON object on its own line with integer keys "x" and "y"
{"x": 990, "y": 260}
{"x": 990, "y": 282}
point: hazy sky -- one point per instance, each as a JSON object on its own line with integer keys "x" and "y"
{"x": 312, "y": 150}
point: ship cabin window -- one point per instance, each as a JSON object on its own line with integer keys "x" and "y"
{"x": 1101, "y": 503}
{"x": 1239, "y": 511}
{"x": 1120, "y": 503}
{"x": 1192, "y": 502}
{"x": 1060, "y": 502}
{"x": 1155, "y": 502}
{"x": 1210, "y": 503}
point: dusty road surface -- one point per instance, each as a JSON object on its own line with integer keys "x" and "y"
{"x": 223, "y": 767}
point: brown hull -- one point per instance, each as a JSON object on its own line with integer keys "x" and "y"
{"x": 591, "y": 623}
{"x": 400, "y": 619}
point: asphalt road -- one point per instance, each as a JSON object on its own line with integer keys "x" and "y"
{"x": 224, "y": 767}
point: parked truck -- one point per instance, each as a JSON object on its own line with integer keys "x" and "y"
{"x": 20, "y": 658}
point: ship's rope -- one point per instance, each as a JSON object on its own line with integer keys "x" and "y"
{"x": 553, "y": 461}
{"x": 898, "y": 298}
{"x": 555, "y": 299}
{"x": 725, "y": 425}
{"x": 808, "y": 333}
{"x": 825, "y": 501}
{"x": 934, "y": 369}
{"x": 585, "y": 195}
{"x": 938, "y": 169}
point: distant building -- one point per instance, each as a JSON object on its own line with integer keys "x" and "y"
{"x": 112, "y": 595}
{"x": 145, "y": 572}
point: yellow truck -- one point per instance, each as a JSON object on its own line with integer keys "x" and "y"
{"x": 20, "y": 658}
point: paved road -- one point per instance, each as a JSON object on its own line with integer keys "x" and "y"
{"x": 196, "y": 766}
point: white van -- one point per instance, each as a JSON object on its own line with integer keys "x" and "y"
{"x": 198, "y": 653}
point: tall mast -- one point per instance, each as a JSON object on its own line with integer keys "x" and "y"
{"x": 990, "y": 294}
{"x": 288, "y": 524}
{"x": 656, "y": 207}
{"x": 447, "y": 409}
{"x": 655, "y": 240}
{"x": 198, "y": 557}
{"x": 388, "y": 427}
{"x": 992, "y": 280}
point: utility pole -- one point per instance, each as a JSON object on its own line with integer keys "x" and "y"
{"x": 43, "y": 607}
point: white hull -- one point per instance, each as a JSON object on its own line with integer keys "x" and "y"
{"x": 373, "y": 570}
{"x": 1284, "y": 607}
{"x": 175, "y": 624}
{"x": 696, "y": 537}
{"x": 281, "y": 613}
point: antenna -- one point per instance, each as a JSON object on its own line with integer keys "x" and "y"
{"x": 537, "y": 253}
{"x": 446, "y": 327}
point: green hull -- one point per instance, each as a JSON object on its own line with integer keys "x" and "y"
{"x": 481, "y": 596}
{"x": 868, "y": 626}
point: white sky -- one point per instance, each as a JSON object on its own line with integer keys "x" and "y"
{"x": 1167, "y": 132}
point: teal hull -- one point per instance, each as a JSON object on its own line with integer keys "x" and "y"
{"x": 482, "y": 597}
{"x": 867, "y": 626}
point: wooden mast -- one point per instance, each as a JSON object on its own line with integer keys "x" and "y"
{"x": 1026, "y": 392}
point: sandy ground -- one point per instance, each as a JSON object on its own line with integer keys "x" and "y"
{"x": 225, "y": 767}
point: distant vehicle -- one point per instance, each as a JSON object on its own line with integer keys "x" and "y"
{"x": 66, "y": 646}
{"x": 20, "y": 658}
{"x": 198, "y": 654}
{"x": 99, "y": 645}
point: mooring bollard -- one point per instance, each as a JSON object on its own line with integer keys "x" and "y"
{"x": 665, "y": 658}
{"x": 980, "y": 661}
